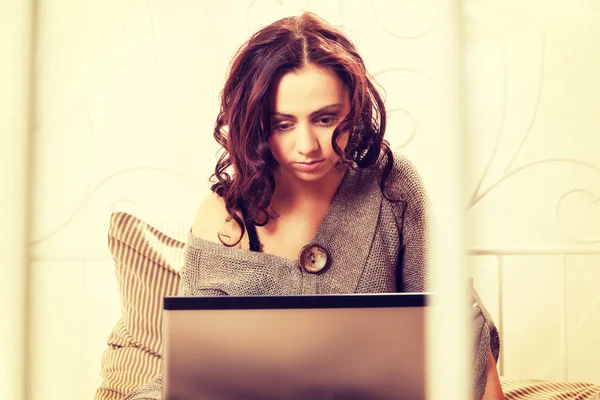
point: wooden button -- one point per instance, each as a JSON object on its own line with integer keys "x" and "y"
{"x": 313, "y": 258}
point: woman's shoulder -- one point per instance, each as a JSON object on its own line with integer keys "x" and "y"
{"x": 404, "y": 181}
{"x": 213, "y": 223}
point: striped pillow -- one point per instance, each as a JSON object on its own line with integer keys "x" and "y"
{"x": 147, "y": 262}
{"x": 539, "y": 389}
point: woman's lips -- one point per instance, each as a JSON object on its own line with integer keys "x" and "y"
{"x": 309, "y": 166}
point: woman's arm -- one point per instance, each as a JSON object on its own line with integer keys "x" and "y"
{"x": 413, "y": 218}
{"x": 493, "y": 389}
{"x": 487, "y": 351}
{"x": 149, "y": 391}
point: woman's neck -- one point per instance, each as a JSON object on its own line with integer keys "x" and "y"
{"x": 292, "y": 194}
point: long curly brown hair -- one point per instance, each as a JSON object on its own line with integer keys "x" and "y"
{"x": 243, "y": 125}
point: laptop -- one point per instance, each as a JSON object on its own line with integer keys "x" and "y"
{"x": 356, "y": 346}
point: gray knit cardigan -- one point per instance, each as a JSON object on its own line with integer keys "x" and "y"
{"x": 370, "y": 240}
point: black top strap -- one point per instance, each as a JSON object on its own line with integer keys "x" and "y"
{"x": 251, "y": 228}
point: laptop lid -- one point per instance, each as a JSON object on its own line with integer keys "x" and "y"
{"x": 359, "y": 346}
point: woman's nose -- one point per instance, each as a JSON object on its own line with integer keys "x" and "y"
{"x": 306, "y": 140}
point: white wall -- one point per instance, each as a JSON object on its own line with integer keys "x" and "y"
{"x": 128, "y": 94}
{"x": 534, "y": 102}
{"x": 15, "y": 95}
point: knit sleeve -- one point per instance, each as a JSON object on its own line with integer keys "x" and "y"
{"x": 485, "y": 338}
{"x": 149, "y": 391}
{"x": 411, "y": 206}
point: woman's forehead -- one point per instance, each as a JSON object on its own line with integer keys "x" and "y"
{"x": 307, "y": 90}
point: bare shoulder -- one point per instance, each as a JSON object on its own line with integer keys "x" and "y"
{"x": 213, "y": 222}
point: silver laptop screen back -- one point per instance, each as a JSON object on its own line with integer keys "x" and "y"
{"x": 342, "y": 350}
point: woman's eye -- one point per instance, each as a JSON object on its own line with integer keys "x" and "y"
{"x": 327, "y": 121}
{"x": 282, "y": 127}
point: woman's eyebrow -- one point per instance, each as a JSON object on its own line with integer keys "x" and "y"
{"x": 312, "y": 114}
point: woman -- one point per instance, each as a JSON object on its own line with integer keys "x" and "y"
{"x": 308, "y": 197}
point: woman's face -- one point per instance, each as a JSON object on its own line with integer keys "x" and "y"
{"x": 306, "y": 107}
